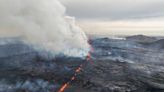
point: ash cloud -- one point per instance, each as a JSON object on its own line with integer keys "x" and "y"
{"x": 42, "y": 23}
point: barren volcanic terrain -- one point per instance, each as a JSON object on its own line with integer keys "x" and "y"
{"x": 134, "y": 64}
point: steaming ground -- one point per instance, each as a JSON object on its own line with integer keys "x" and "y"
{"x": 134, "y": 64}
{"x": 43, "y": 24}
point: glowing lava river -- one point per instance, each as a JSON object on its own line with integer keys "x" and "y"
{"x": 77, "y": 71}
{"x": 64, "y": 86}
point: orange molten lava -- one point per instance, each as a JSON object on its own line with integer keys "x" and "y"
{"x": 78, "y": 70}
{"x": 72, "y": 79}
{"x": 63, "y": 87}
{"x": 88, "y": 58}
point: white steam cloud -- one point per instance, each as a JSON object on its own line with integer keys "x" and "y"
{"x": 42, "y": 23}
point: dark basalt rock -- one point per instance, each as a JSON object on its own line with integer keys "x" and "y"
{"x": 115, "y": 76}
{"x": 25, "y": 60}
{"x": 118, "y": 66}
{"x": 22, "y": 65}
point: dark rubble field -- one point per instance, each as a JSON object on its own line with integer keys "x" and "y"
{"x": 134, "y": 64}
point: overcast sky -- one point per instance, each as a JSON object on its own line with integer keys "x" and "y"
{"x": 109, "y": 16}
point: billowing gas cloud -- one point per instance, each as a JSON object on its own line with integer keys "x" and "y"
{"x": 42, "y": 23}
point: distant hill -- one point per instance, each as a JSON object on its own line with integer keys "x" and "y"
{"x": 141, "y": 38}
{"x": 158, "y": 44}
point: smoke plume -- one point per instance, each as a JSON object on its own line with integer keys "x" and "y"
{"x": 44, "y": 24}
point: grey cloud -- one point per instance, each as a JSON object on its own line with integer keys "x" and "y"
{"x": 114, "y": 9}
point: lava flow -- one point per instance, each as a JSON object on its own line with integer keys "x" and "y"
{"x": 72, "y": 79}
{"x": 78, "y": 70}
